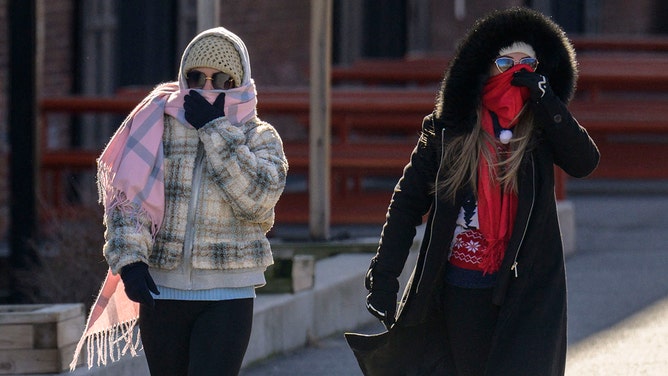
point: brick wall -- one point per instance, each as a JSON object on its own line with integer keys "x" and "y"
{"x": 626, "y": 17}
{"x": 277, "y": 36}
{"x": 277, "y": 33}
{"x": 56, "y": 56}
{"x": 57, "y": 50}
{"x": 447, "y": 29}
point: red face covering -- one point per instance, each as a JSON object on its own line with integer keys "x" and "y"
{"x": 496, "y": 208}
{"x": 504, "y": 99}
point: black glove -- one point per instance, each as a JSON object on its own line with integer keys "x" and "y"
{"x": 138, "y": 283}
{"x": 199, "y": 111}
{"x": 382, "y": 299}
{"x": 536, "y": 83}
{"x": 548, "y": 108}
{"x": 383, "y": 305}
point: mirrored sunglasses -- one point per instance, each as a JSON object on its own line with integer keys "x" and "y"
{"x": 504, "y": 63}
{"x": 221, "y": 81}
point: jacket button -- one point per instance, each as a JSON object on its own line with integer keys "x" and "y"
{"x": 557, "y": 118}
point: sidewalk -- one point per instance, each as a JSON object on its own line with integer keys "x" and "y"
{"x": 618, "y": 287}
{"x": 618, "y": 297}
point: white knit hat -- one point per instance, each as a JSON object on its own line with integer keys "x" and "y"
{"x": 522, "y": 47}
{"x": 217, "y": 52}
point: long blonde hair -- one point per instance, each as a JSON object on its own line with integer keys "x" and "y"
{"x": 461, "y": 157}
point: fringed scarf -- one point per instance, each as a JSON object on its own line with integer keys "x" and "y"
{"x": 130, "y": 170}
{"x": 502, "y": 103}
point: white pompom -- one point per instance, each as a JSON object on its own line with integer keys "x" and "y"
{"x": 505, "y": 136}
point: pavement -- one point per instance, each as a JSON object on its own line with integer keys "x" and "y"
{"x": 618, "y": 295}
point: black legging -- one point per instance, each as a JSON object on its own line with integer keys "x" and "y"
{"x": 196, "y": 337}
{"x": 470, "y": 321}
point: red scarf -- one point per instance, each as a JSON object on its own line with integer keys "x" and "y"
{"x": 497, "y": 209}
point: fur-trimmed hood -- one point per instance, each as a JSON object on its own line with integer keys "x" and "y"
{"x": 461, "y": 88}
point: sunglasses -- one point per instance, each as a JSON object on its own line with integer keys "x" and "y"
{"x": 221, "y": 81}
{"x": 504, "y": 63}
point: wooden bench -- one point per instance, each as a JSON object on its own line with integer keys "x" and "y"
{"x": 373, "y": 136}
{"x": 598, "y": 72}
{"x": 632, "y": 136}
{"x": 624, "y": 44}
{"x": 622, "y": 84}
{"x": 611, "y": 74}
{"x": 374, "y": 132}
{"x": 423, "y": 71}
{"x": 377, "y": 108}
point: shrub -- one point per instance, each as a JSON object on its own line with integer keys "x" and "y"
{"x": 69, "y": 266}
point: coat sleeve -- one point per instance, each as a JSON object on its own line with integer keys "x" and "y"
{"x": 127, "y": 238}
{"x": 411, "y": 200}
{"x": 249, "y": 165}
{"x": 573, "y": 149}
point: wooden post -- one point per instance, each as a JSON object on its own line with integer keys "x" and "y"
{"x": 208, "y": 13}
{"x": 319, "y": 119}
{"x": 460, "y": 9}
{"x": 22, "y": 135}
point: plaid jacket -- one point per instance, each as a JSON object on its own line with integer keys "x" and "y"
{"x": 221, "y": 185}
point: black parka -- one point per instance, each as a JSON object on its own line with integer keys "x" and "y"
{"x": 530, "y": 336}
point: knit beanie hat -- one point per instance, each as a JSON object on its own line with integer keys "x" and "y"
{"x": 215, "y": 51}
{"x": 522, "y": 47}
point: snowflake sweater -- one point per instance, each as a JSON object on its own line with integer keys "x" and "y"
{"x": 467, "y": 250}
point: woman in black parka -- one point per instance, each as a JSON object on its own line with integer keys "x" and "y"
{"x": 488, "y": 293}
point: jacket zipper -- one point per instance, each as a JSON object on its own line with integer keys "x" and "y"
{"x": 526, "y": 226}
{"x": 189, "y": 236}
{"x": 431, "y": 229}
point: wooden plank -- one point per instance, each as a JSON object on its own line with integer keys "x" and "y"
{"x": 324, "y": 249}
{"x": 354, "y": 208}
{"x": 622, "y": 116}
{"x": 621, "y": 43}
{"x": 69, "y": 331}
{"x": 78, "y": 159}
{"x": 607, "y": 71}
{"x": 38, "y": 313}
{"x": 601, "y": 70}
{"x": 13, "y": 362}
{"x": 628, "y": 159}
{"x": 66, "y": 354}
{"x": 18, "y": 336}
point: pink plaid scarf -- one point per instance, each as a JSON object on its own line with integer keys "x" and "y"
{"x": 130, "y": 170}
